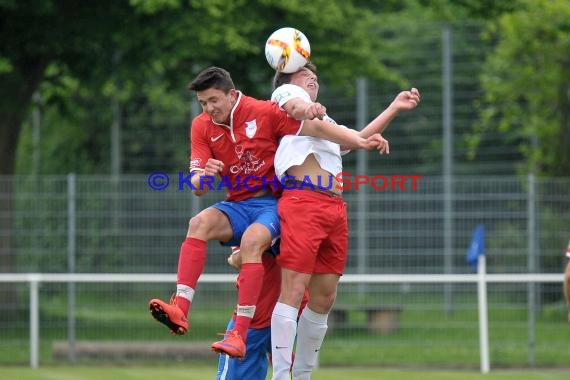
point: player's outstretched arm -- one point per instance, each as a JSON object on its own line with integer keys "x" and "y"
{"x": 300, "y": 109}
{"x": 343, "y": 136}
{"x": 404, "y": 101}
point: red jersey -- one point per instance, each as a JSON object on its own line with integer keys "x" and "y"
{"x": 246, "y": 146}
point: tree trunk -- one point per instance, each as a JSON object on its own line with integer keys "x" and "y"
{"x": 564, "y": 137}
{"x": 16, "y": 93}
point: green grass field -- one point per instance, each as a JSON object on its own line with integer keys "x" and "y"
{"x": 202, "y": 373}
{"x": 426, "y": 337}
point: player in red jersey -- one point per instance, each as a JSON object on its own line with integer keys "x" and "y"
{"x": 254, "y": 365}
{"x": 236, "y": 137}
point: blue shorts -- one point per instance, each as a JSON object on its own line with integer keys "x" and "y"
{"x": 242, "y": 214}
{"x": 255, "y": 363}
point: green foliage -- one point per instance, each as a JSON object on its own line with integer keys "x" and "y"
{"x": 470, "y": 9}
{"x": 140, "y": 54}
{"x": 5, "y": 66}
{"x": 527, "y": 84}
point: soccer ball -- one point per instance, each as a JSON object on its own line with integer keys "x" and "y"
{"x": 287, "y": 50}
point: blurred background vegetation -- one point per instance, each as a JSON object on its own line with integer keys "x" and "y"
{"x": 98, "y": 73}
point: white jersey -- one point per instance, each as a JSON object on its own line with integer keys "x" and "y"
{"x": 293, "y": 150}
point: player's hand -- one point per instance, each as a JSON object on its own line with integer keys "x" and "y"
{"x": 383, "y": 146}
{"x": 235, "y": 260}
{"x": 213, "y": 167}
{"x": 315, "y": 111}
{"x": 407, "y": 100}
{"x": 373, "y": 142}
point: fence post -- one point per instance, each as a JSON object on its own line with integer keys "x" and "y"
{"x": 362, "y": 168}
{"x": 34, "y": 322}
{"x": 483, "y": 314}
{"x": 447, "y": 73}
{"x": 71, "y": 199}
{"x": 531, "y": 265}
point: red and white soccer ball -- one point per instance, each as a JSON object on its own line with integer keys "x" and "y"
{"x": 287, "y": 50}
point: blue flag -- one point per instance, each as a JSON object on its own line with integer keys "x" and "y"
{"x": 477, "y": 246}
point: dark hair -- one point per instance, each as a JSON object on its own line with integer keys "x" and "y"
{"x": 282, "y": 78}
{"x": 212, "y": 77}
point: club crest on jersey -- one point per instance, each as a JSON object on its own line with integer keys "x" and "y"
{"x": 251, "y": 128}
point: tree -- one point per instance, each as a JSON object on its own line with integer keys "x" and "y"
{"x": 527, "y": 84}
{"x": 84, "y": 55}
{"x": 102, "y": 42}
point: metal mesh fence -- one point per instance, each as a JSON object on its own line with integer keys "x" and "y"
{"x": 104, "y": 224}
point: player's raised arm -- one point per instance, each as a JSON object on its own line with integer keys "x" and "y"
{"x": 301, "y": 110}
{"x": 343, "y": 136}
{"x": 404, "y": 101}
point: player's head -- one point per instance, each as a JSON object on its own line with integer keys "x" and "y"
{"x": 216, "y": 93}
{"x": 305, "y": 77}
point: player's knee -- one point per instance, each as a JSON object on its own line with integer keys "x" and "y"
{"x": 322, "y": 303}
{"x": 252, "y": 246}
{"x": 292, "y": 294}
{"x": 198, "y": 225}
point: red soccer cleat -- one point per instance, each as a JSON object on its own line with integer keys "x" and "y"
{"x": 170, "y": 315}
{"x": 232, "y": 345}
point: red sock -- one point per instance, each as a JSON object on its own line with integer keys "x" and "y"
{"x": 250, "y": 282}
{"x": 191, "y": 263}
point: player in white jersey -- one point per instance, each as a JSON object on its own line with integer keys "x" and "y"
{"x": 314, "y": 228}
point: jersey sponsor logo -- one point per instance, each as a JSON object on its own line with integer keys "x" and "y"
{"x": 251, "y": 128}
{"x": 248, "y": 162}
{"x": 214, "y": 139}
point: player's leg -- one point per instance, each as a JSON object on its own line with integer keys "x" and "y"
{"x": 254, "y": 364}
{"x": 256, "y": 239}
{"x": 301, "y": 235}
{"x": 226, "y": 363}
{"x": 284, "y": 321}
{"x": 312, "y": 326}
{"x": 209, "y": 224}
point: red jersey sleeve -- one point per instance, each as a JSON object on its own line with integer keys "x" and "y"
{"x": 200, "y": 150}
{"x": 285, "y": 125}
